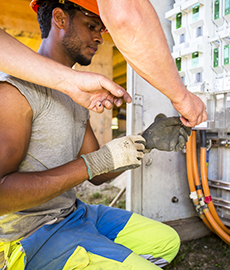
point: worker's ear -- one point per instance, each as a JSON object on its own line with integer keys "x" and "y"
{"x": 59, "y": 18}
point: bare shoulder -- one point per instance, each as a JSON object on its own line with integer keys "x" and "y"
{"x": 15, "y": 126}
{"x": 12, "y": 99}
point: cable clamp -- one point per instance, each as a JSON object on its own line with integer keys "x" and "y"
{"x": 201, "y": 201}
{"x": 193, "y": 195}
{"x": 208, "y": 199}
{"x": 198, "y": 209}
{"x": 198, "y": 187}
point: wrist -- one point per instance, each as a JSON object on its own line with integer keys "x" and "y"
{"x": 88, "y": 169}
{"x": 180, "y": 96}
{"x": 65, "y": 83}
{"x": 98, "y": 162}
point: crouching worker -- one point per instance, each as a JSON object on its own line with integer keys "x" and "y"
{"x": 48, "y": 147}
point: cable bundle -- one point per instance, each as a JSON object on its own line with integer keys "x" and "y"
{"x": 200, "y": 194}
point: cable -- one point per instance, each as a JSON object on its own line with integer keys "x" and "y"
{"x": 204, "y": 178}
{"x": 190, "y": 174}
{"x": 209, "y": 220}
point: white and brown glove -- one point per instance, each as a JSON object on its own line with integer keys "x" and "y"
{"x": 166, "y": 134}
{"x": 117, "y": 155}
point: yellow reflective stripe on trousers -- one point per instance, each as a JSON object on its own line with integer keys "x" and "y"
{"x": 139, "y": 263}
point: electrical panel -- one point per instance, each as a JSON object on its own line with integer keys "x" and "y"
{"x": 201, "y": 34}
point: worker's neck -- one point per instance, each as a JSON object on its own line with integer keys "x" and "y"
{"x": 53, "y": 51}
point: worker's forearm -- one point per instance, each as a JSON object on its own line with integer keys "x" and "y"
{"x": 142, "y": 42}
{"x": 20, "y": 61}
{"x": 19, "y": 191}
{"x": 90, "y": 90}
{"x": 100, "y": 179}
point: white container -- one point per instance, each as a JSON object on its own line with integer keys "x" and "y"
{"x": 217, "y": 15}
{"x": 226, "y": 10}
{"x": 225, "y": 46}
{"x": 199, "y": 18}
{"x": 181, "y": 63}
{"x": 217, "y": 56}
{"x": 179, "y": 27}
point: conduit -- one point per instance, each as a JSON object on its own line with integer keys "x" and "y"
{"x": 193, "y": 194}
{"x": 197, "y": 180}
{"x": 195, "y": 168}
{"x": 211, "y": 219}
{"x": 225, "y": 237}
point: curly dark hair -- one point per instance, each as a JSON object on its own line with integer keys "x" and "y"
{"x": 44, "y": 13}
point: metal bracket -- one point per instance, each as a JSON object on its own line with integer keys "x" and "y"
{"x": 220, "y": 143}
{"x": 138, "y": 100}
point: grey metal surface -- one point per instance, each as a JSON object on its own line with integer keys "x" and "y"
{"x": 158, "y": 189}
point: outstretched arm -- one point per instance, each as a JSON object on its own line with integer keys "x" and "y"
{"x": 142, "y": 42}
{"x": 92, "y": 91}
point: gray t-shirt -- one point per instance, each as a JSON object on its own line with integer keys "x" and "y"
{"x": 58, "y": 129}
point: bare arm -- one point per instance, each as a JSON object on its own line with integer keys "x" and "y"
{"x": 142, "y": 42}
{"x": 90, "y": 90}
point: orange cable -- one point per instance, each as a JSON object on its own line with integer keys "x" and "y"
{"x": 189, "y": 165}
{"x": 195, "y": 166}
{"x": 197, "y": 177}
{"x": 191, "y": 181}
{"x": 216, "y": 227}
{"x": 224, "y": 236}
{"x": 207, "y": 190}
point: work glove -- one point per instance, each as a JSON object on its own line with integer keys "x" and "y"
{"x": 166, "y": 134}
{"x": 117, "y": 155}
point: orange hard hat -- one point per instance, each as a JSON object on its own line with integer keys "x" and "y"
{"x": 90, "y": 5}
